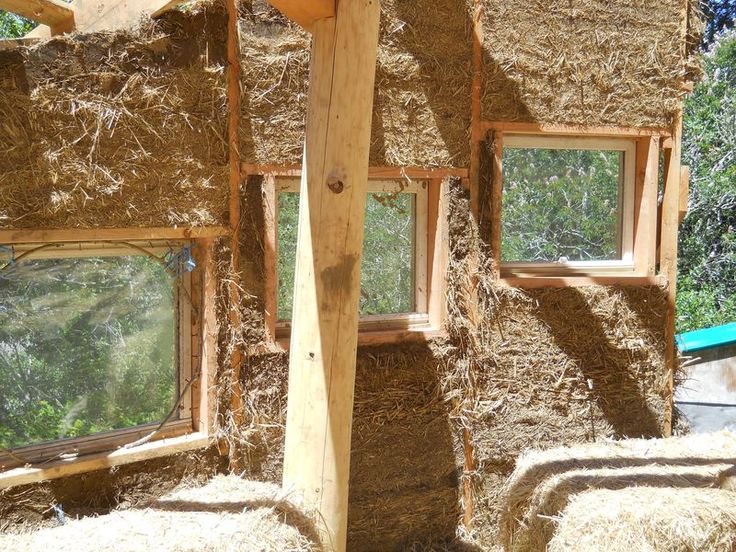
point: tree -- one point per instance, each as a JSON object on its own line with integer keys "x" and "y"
{"x": 14, "y": 26}
{"x": 707, "y": 260}
{"x": 721, "y": 15}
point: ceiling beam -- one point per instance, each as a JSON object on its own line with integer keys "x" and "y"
{"x": 54, "y": 13}
{"x": 305, "y": 12}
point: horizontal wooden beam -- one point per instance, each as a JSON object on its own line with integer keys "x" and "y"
{"x": 553, "y": 128}
{"x": 108, "y": 234}
{"x": 54, "y": 13}
{"x": 12, "y": 43}
{"x": 305, "y": 12}
{"x": 418, "y": 173}
{"x": 105, "y": 460}
{"x": 530, "y": 282}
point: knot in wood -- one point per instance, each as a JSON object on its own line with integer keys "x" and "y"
{"x": 335, "y": 184}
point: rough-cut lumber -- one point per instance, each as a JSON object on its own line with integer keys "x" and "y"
{"x": 54, "y": 13}
{"x": 305, "y": 12}
{"x": 108, "y": 234}
{"x": 684, "y": 191}
{"x": 645, "y": 214}
{"x": 552, "y": 128}
{"x": 107, "y": 15}
{"x": 668, "y": 260}
{"x": 329, "y": 249}
{"x": 234, "y": 313}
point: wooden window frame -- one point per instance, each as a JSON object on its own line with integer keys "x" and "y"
{"x": 377, "y": 332}
{"x": 640, "y": 211}
{"x": 198, "y": 345}
{"x": 418, "y": 318}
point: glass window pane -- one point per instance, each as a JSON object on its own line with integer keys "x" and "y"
{"x": 387, "y": 271}
{"x": 561, "y": 204}
{"x": 86, "y": 345}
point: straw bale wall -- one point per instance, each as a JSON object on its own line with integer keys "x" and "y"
{"x": 128, "y": 129}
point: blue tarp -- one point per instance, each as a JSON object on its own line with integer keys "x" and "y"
{"x": 708, "y": 338}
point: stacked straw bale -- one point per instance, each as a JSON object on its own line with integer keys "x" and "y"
{"x": 648, "y": 519}
{"x": 228, "y": 513}
{"x": 544, "y": 483}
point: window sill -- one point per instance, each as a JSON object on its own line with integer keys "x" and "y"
{"x": 92, "y": 462}
{"x": 538, "y": 281}
{"x": 417, "y": 334}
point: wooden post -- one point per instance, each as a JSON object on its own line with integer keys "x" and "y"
{"x": 668, "y": 261}
{"x": 329, "y": 249}
{"x": 234, "y": 314}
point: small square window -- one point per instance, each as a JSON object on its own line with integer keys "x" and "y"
{"x": 393, "y": 270}
{"x": 89, "y": 344}
{"x": 567, "y": 204}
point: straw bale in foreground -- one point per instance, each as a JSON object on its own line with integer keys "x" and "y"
{"x": 648, "y": 519}
{"x": 228, "y": 513}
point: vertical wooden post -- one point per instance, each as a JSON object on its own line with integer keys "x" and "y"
{"x": 645, "y": 214}
{"x": 668, "y": 261}
{"x": 329, "y": 249}
{"x": 233, "y": 102}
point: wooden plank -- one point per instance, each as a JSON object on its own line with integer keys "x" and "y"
{"x": 234, "y": 288}
{"x": 553, "y": 128}
{"x": 578, "y": 281}
{"x": 58, "y": 15}
{"x": 108, "y": 234}
{"x": 684, "y": 192}
{"x": 167, "y": 5}
{"x": 270, "y": 252}
{"x": 668, "y": 262}
{"x": 645, "y": 205}
{"x": 496, "y": 199}
{"x": 475, "y": 110}
{"x": 209, "y": 330}
{"x": 305, "y": 12}
{"x": 438, "y": 251}
{"x": 421, "y": 246}
{"x": 148, "y": 451}
{"x": 414, "y": 173}
{"x": 329, "y": 250}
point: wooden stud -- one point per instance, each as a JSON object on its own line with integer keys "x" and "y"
{"x": 327, "y": 283}
{"x": 684, "y": 191}
{"x": 305, "y": 12}
{"x": 496, "y": 199}
{"x": 234, "y": 314}
{"x": 668, "y": 262}
{"x": 438, "y": 239}
{"x": 645, "y": 205}
{"x": 270, "y": 254}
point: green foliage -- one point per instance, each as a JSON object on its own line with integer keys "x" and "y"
{"x": 707, "y": 256}
{"x": 86, "y": 345}
{"x": 14, "y": 26}
{"x": 387, "y": 276}
{"x": 560, "y": 203}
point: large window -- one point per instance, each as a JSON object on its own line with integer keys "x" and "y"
{"x": 89, "y": 343}
{"x": 567, "y": 203}
{"x": 394, "y": 266}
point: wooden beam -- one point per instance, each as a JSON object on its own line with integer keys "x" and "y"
{"x": 234, "y": 289}
{"x": 329, "y": 249}
{"x": 554, "y": 128}
{"x": 668, "y": 262}
{"x": 21, "y": 235}
{"x": 645, "y": 213}
{"x": 58, "y": 15}
{"x": 393, "y": 173}
{"x": 305, "y": 12}
{"x": 684, "y": 191}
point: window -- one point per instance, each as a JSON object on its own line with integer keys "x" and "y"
{"x": 90, "y": 353}
{"x": 568, "y": 204}
{"x": 394, "y": 266}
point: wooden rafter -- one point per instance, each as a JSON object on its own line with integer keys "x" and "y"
{"x": 305, "y": 12}
{"x": 54, "y": 13}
